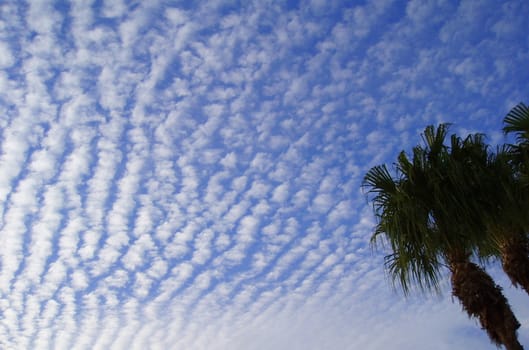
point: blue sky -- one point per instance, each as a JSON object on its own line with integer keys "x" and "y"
{"x": 186, "y": 175}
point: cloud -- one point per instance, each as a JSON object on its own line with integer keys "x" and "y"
{"x": 187, "y": 176}
{"x": 6, "y": 59}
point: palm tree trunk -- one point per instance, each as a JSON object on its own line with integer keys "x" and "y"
{"x": 483, "y": 299}
{"x": 515, "y": 260}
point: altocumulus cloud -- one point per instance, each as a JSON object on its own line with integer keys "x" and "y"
{"x": 186, "y": 175}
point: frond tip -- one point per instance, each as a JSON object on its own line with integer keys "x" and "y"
{"x": 517, "y": 121}
{"x": 409, "y": 272}
{"x": 378, "y": 180}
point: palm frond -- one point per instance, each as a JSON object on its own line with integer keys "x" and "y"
{"x": 409, "y": 269}
{"x": 378, "y": 179}
{"x": 434, "y": 137}
{"x": 517, "y": 121}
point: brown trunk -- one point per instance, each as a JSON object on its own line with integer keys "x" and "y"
{"x": 515, "y": 260}
{"x": 483, "y": 299}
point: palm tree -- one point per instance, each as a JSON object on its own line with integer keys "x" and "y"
{"x": 425, "y": 215}
{"x": 513, "y": 165}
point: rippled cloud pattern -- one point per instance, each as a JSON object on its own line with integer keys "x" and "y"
{"x": 186, "y": 175}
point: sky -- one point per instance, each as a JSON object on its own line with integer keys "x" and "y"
{"x": 187, "y": 175}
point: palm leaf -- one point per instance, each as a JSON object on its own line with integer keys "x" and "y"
{"x": 517, "y": 121}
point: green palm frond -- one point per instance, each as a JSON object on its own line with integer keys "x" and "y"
{"x": 434, "y": 137}
{"x": 379, "y": 180}
{"x": 408, "y": 269}
{"x": 517, "y": 121}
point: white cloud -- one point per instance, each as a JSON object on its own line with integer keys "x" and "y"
{"x": 188, "y": 176}
{"x": 113, "y": 8}
{"x": 6, "y": 57}
{"x": 280, "y": 193}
